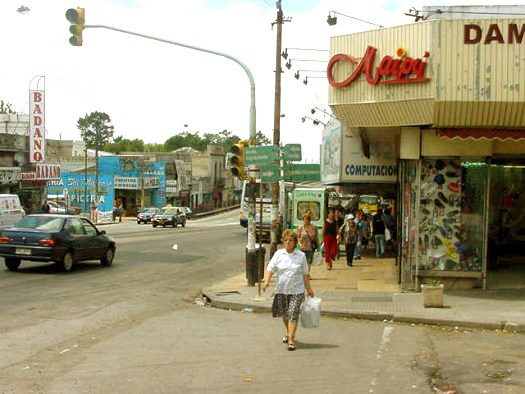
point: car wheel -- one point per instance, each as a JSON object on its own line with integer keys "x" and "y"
{"x": 108, "y": 257}
{"x": 183, "y": 224}
{"x": 12, "y": 263}
{"x": 154, "y": 224}
{"x": 174, "y": 224}
{"x": 163, "y": 224}
{"x": 138, "y": 221}
{"x": 67, "y": 262}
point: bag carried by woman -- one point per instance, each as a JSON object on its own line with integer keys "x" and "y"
{"x": 311, "y": 312}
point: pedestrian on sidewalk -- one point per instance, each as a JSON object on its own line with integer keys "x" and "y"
{"x": 330, "y": 230}
{"x": 120, "y": 211}
{"x": 307, "y": 236}
{"x": 357, "y": 249}
{"x": 348, "y": 233}
{"x": 390, "y": 223}
{"x": 378, "y": 229}
{"x": 291, "y": 269}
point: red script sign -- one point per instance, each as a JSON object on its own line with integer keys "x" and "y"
{"x": 404, "y": 70}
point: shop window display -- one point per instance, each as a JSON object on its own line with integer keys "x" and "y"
{"x": 452, "y": 214}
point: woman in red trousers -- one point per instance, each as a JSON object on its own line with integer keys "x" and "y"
{"x": 330, "y": 238}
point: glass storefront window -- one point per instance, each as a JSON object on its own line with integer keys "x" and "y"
{"x": 452, "y": 215}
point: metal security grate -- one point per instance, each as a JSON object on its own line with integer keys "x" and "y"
{"x": 372, "y": 299}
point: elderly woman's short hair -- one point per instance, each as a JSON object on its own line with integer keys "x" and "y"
{"x": 288, "y": 233}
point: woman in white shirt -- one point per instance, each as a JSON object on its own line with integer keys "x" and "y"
{"x": 291, "y": 269}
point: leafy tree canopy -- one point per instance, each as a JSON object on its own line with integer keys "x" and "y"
{"x": 96, "y": 129}
{"x": 121, "y": 144}
{"x": 193, "y": 140}
{"x": 6, "y": 108}
{"x": 262, "y": 139}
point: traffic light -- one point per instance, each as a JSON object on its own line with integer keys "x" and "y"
{"x": 237, "y": 160}
{"x": 76, "y": 17}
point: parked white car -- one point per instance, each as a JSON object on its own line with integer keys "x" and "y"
{"x": 56, "y": 208}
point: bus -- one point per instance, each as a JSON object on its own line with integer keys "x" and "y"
{"x": 253, "y": 190}
{"x": 308, "y": 200}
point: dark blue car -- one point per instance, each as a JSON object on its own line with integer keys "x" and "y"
{"x": 62, "y": 239}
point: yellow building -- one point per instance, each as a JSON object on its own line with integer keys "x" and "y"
{"x": 436, "y": 110}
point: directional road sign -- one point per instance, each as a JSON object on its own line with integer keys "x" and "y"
{"x": 292, "y": 152}
{"x": 261, "y": 154}
{"x": 304, "y": 172}
{"x": 270, "y": 174}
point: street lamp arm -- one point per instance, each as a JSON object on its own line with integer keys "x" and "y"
{"x": 245, "y": 68}
{"x": 357, "y": 19}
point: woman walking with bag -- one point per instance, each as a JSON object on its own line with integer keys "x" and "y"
{"x": 291, "y": 269}
{"x": 307, "y": 236}
{"x": 330, "y": 239}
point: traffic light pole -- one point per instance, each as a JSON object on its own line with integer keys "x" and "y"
{"x": 251, "y": 217}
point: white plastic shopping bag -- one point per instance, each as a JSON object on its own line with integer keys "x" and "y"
{"x": 317, "y": 258}
{"x": 311, "y": 312}
{"x": 388, "y": 236}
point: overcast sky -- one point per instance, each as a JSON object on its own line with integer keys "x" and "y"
{"x": 152, "y": 90}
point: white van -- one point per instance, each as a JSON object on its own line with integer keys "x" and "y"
{"x": 10, "y": 210}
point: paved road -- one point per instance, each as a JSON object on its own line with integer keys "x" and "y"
{"x": 135, "y": 328}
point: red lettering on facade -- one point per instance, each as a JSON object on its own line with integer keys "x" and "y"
{"x": 37, "y": 97}
{"x": 401, "y": 69}
{"x": 494, "y": 34}
{"x": 37, "y": 133}
{"x": 513, "y": 33}
{"x": 473, "y": 34}
{"x": 37, "y": 121}
{"x": 37, "y": 156}
{"x": 467, "y": 38}
{"x": 37, "y": 109}
{"x": 37, "y": 144}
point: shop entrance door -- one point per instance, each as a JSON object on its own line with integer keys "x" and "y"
{"x": 506, "y": 244}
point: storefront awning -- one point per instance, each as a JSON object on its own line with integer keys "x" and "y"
{"x": 478, "y": 134}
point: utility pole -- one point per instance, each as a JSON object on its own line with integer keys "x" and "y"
{"x": 276, "y": 222}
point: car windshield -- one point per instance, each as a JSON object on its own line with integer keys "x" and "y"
{"x": 371, "y": 200}
{"x": 148, "y": 210}
{"x": 48, "y": 223}
{"x": 169, "y": 211}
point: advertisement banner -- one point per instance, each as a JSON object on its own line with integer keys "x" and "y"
{"x": 368, "y": 157}
{"x": 9, "y": 175}
{"x": 126, "y": 182}
{"x": 331, "y": 152}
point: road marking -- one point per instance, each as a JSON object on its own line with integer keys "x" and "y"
{"x": 385, "y": 340}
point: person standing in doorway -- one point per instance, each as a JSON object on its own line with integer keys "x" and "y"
{"x": 330, "y": 238}
{"x": 348, "y": 234}
{"x": 378, "y": 229}
{"x": 307, "y": 236}
{"x": 292, "y": 281}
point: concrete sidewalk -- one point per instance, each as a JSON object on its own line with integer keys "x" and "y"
{"x": 369, "y": 290}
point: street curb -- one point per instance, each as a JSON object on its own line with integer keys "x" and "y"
{"x": 374, "y": 316}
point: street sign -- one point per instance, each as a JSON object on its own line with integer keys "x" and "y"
{"x": 292, "y": 152}
{"x": 261, "y": 154}
{"x": 270, "y": 174}
{"x": 304, "y": 172}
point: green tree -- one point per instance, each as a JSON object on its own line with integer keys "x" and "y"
{"x": 6, "y": 108}
{"x": 224, "y": 138}
{"x": 193, "y": 140}
{"x": 121, "y": 144}
{"x": 154, "y": 148}
{"x": 262, "y": 139}
{"x": 96, "y": 131}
